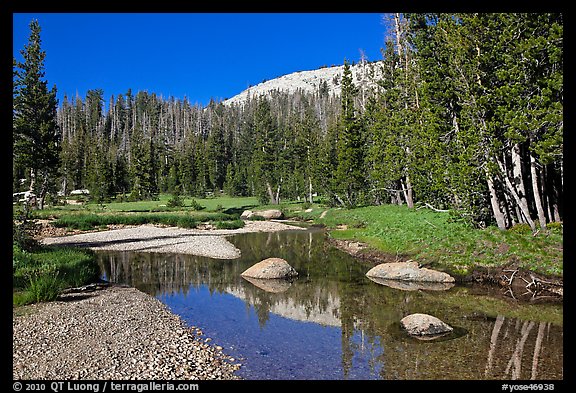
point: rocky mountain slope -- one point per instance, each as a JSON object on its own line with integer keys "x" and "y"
{"x": 324, "y": 80}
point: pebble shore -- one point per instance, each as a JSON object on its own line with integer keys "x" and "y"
{"x": 116, "y": 333}
{"x": 150, "y": 238}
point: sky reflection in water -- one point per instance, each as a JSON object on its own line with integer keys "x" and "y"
{"x": 332, "y": 322}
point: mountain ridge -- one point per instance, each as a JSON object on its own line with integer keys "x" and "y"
{"x": 327, "y": 79}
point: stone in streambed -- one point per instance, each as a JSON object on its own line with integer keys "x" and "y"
{"x": 424, "y": 325}
{"x": 270, "y": 268}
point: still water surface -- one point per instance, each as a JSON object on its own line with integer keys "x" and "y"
{"x": 332, "y": 322}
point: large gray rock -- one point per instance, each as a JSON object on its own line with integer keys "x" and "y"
{"x": 271, "y": 214}
{"x": 408, "y": 271}
{"x": 424, "y": 325}
{"x": 270, "y": 268}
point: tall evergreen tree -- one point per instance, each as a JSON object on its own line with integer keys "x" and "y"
{"x": 35, "y": 130}
{"x": 266, "y": 153}
{"x": 216, "y": 149}
{"x": 350, "y": 174}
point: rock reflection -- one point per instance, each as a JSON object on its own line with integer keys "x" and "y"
{"x": 412, "y": 285}
{"x": 269, "y": 285}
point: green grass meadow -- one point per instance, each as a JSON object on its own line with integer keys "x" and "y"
{"x": 436, "y": 238}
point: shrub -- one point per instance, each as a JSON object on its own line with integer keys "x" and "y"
{"x": 23, "y": 228}
{"x": 186, "y": 222}
{"x": 195, "y": 205}
{"x": 555, "y": 226}
{"x": 234, "y": 224}
{"x": 44, "y": 288}
{"x": 521, "y": 229}
{"x": 42, "y": 274}
{"x": 175, "y": 201}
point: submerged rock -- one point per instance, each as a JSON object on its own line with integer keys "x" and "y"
{"x": 424, "y": 325}
{"x": 408, "y": 271}
{"x": 270, "y": 268}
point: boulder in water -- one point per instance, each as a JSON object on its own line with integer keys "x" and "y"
{"x": 270, "y": 268}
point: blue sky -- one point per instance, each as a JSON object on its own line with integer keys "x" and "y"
{"x": 197, "y": 55}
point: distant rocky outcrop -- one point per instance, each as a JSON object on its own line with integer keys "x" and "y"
{"x": 325, "y": 80}
{"x": 408, "y": 271}
{"x": 424, "y": 325}
{"x": 270, "y": 268}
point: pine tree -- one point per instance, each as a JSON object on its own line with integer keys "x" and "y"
{"x": 35, "y": 130}
{"x": 350, "y": 173}
{"x": 266, "y": 153}
{"x": 216, "y": 150}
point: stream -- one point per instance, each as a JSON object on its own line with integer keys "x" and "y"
{"x": 332, "y": 322}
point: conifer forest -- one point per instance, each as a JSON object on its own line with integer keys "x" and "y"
{"x": 466, "y": 115}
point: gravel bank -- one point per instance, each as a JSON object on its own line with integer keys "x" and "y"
{"x": 149, "y": 238}
{"x": 114, "y": 333}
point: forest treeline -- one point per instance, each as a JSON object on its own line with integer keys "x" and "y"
{"x": 467, "y": 116}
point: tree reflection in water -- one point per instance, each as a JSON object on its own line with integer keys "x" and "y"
{"x": 332, "y": 322}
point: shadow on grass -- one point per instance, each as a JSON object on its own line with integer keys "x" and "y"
{"x": 238, "y": 210}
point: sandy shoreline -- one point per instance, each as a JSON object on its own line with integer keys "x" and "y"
{"x": 149, "y": 238}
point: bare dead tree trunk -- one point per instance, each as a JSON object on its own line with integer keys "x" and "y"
{"x": 399, "y": 196}
{"x": 494, "y": 202}
{"x": 270, "y": 193}
{"x": 556, "y": 209}
{"x": 32, "y": 180}
{"x": 277, "y": 199}
{"x": 536, "y": 190}
{"x": 43, "y": 190}
{"x": 512, "y": 191}
{"x": 518, "y": 179}
{"x": 398, "y": 34}
{"x": 407, "y": 189}
{"x": 274, "y": 196}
